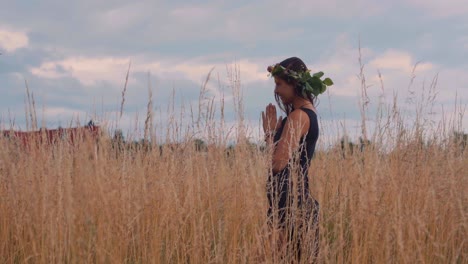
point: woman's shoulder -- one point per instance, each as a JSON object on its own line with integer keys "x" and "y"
{"x": 309, "y": 110}
{"x": 298, "y": 115}
{"x": 302, "y": 113}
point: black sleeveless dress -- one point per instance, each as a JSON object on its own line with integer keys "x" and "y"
{"x": 291, "y": 205}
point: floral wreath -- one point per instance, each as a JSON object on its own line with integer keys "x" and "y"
{"x": 309, "y": 83}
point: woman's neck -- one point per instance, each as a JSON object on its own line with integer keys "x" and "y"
{"x": 300, "y": 102}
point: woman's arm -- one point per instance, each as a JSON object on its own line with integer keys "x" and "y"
{"x": 295, "y": 127}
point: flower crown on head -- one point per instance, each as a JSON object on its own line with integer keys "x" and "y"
{"x": 309, "y": 83}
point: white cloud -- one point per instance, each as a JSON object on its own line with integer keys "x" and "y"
{"x": 249, "y": 70}
{"x": 12, "y": 40}
{"x": 48, "y": 70}
{"x": 196, "y": 70}
{"x": 87, "y": 70}
{"x": 398, "y": 60}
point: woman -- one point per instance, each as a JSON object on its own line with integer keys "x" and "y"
{"x": 292, "y": 210}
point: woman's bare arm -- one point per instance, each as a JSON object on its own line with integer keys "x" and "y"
{"x": 295, "y": 127}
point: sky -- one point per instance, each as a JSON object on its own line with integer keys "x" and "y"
{"x": 74, "y": 57}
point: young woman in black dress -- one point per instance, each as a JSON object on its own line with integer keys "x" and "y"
{"x": 293, "y": 212}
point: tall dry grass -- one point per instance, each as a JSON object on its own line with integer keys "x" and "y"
{"x": 177, "y": 204}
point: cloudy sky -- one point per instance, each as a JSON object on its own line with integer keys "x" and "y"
{"x": 75, "y": 55}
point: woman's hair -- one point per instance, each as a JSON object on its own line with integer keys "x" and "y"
{"x": 297, "y": 65}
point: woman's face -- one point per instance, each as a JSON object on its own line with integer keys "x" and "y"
{"x": 284, "y": 90}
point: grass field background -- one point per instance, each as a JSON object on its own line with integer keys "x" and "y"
{"x": 399, "y": 197}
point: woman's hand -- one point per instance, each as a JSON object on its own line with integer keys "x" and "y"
{"x": 270, "y": 123}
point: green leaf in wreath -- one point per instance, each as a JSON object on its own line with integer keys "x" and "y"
{"x": 318, "y": 74}
{"x": 328, "y": 82}
{"x": 324, "y": 88}
{"x": 315, "y": 81}
{"x": 308, "y": 88}
{"x": 277, "y": 70}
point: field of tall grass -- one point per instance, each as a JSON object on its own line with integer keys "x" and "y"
{"x": 399, "y": 197}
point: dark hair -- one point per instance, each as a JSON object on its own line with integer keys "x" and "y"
{"x": 297, "y": 65}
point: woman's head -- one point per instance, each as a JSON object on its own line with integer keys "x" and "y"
{"x": 287, "y": 89}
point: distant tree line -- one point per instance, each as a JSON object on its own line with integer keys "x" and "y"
{"x": 346, "y": 147}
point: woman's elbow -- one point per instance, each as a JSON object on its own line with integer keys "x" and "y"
{"x": 278, "y": 166}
